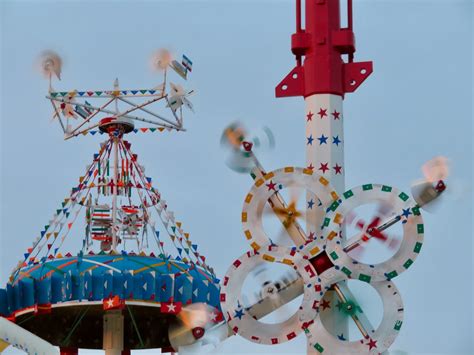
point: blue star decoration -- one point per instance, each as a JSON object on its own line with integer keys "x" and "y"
{"x": 323, "y": 139}
{"x": 239, "y": 313}
{"x": 310, "y": 140}
{"x": 310, "y": 204}
{"x": 336, "y": 140}
{"x": 406, "y": 212}
{"x": 341, "y": 337}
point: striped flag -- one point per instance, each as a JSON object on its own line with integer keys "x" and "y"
{"x": 187, "y": 63}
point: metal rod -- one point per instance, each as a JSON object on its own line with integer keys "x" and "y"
{"x": 140, "y": 107}
{"x": 115, "y": 192}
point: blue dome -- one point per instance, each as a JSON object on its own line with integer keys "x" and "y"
{"x": 97, "y": 277}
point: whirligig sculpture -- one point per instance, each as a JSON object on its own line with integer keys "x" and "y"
{"x": 123, "y": 289}
{"x": 141, "y": 299}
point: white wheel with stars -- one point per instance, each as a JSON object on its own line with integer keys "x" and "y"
{"x": 240, "y": 319}
{"x": 376, "y": 341}
{"x": 274, "y": 181}
{"x": 411, "y": 243}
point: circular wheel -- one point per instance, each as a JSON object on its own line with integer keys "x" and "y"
{"x": 267, "y": 188}
{"x": 337, "y": 248}
{"x": 374, "y": 341}
{"x": 241, "y": 320}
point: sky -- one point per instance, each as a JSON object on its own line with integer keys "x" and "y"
{"x": 416, "y": 105}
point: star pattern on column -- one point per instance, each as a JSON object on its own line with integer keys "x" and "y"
{"x": 323, "y": 167}
{"x": 310, "y": 140}
{"x": 310, "y": 204}
{"x": 323, "y": 139}
{"x": 337, "y": 169}
{"x": 336, "y": 140}
{"x": 309, "y": 116}
{"x": 336, "y": 115}
{"x": 322, "y": 113}
{"x": 311, "y": 236}
{"x": 271, "y": 186}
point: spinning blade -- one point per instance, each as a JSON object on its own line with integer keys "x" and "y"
{"x": 161, "y": 59}
{"x": 426, "y": 191}
{"x": 49, "y": 64}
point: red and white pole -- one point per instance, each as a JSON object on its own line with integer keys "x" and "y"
{"x": 322, "y": 77}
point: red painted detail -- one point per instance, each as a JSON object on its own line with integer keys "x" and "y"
{"x": 292, "y": 84}
{"x": 247, "y": 146}
{"x": 321, "y": 262}
{"x": 68, "y": 351}
{"x": 322, "y": 44}
{"x": 291, "y": 335}
{"x": 126, "y": 352}
{"x": 198, "y": 332}
{"x": 43, "y": 308}
{"x": 168, "y": 349}
{"x": 440, "y": 186}
{"x": 222, "y": 298}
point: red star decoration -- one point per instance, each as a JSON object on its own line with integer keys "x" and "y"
{"x": 372, "y": 343}
{"x": 323, "y": 167}
{"x": 311, "y": 236}
{"x": 309, "y": 116}
{"x": 311, "y": 167}
{"x": 271, "y": 185}
{"x": 336, "y": 115}
{"x": 338, "y": 169}
{"x": 322, "y": 112}
{"x": 326, "y": 304}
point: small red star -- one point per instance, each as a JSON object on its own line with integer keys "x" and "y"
{"x": 338, "y": 169}
{"x": 311, "y": 236}
{"x": 322, "y": 113}
{"x": 271, "y": 185}
{"x": 336, "y": 115}
{"x": 323, "y": 167}
{"x": 311, "y": 167}
{"x": 325, "y": 304}
{"x": 372, "y": 343}
{"x": 309, "y": 116}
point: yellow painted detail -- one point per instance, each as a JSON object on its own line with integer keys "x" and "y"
{"x": 269, "y": 175}
{"x": 323, "y": 181}
{"x": 287, "y": 262}
{"x": 314, "y": 251}
{"x": 338, "y": 218}
{"x": 3, "y": 345}
{"x": 332, "y": 235}
{"x": 255, "y": 246}
{"x": 268, "y": 258}
{"x": 308, "y": 171}
{"x": 244, "y": 216}
{"x": 248, "y": 234}
{"x": 334, "y": 195}
{"x": 248, "y": 198}
{"x": 289, "y": 169}
{"x": 259, "y": 182}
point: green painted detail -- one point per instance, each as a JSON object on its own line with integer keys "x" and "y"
{"x": 98, "y": 93}
{"x": 253, "y": 175}
{"x": 365, "y": 278}
{"x": 416, "y": 210}
{"x": 417, "y": 247}
{"x": 398, "y": 325}
{"x": 348, "y": 194}
{"x": 367, "y": 187}
{"x": 334, "y": 255}
{"x": 420, "y": 228}
{"x": 392, "y": 274}
{"x": 403, "y": 196}
{"x": 408, "y": 263}
{"x": 63, "y": 93}
{"x": 346, "y": 271}
{"x": 386, "y": 188}
{"x": 54, "y": 94}
{"x": 247, "y": 154}
{"x": 143, "y": 91}
{"x": 334, "y": 206}
{"x": 318, "y": 347}
{"x": 326, "y": 222}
